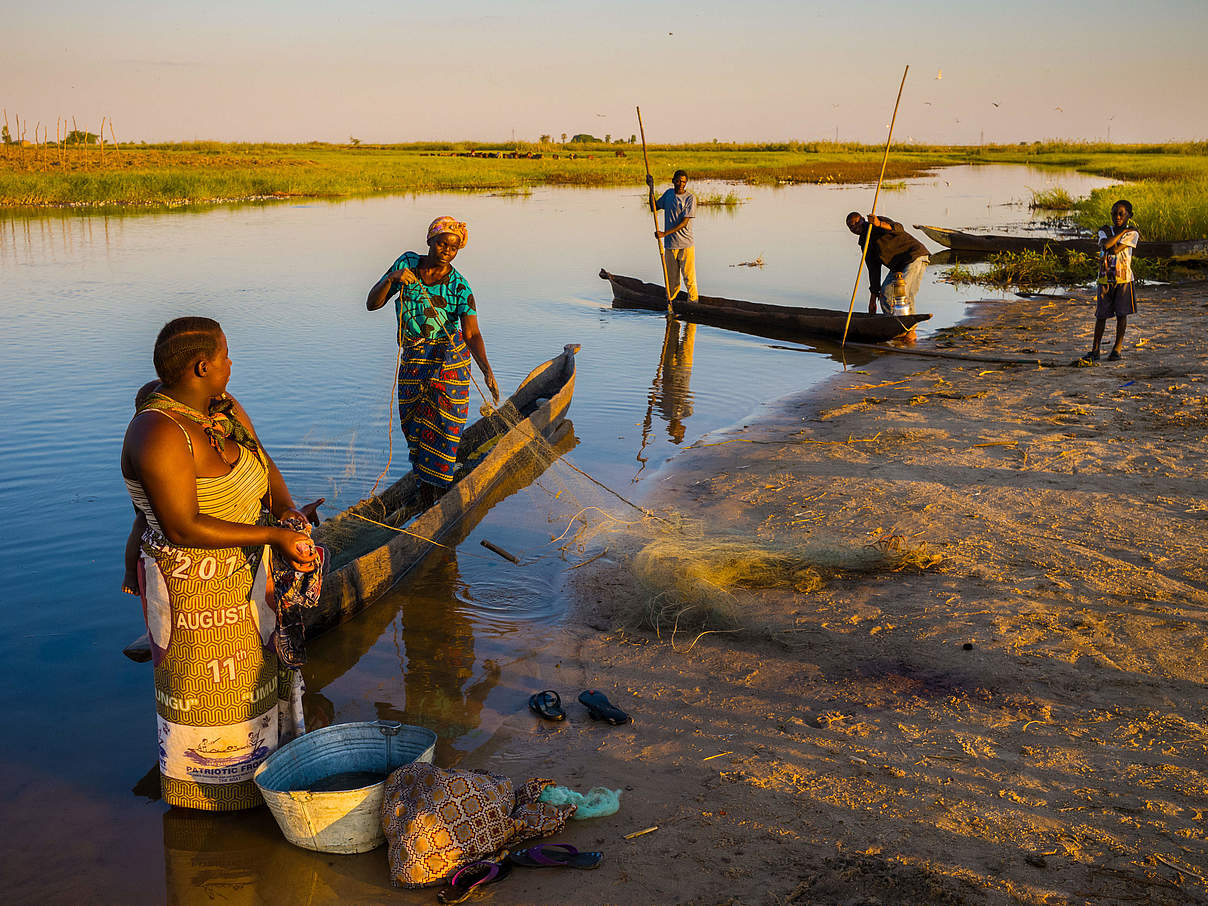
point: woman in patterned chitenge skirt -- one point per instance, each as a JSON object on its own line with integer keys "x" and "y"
{"x": 437, "y": 324}
{"x": 196, "y": 470}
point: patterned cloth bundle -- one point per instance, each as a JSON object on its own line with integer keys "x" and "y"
{"x": 437, "y": 820}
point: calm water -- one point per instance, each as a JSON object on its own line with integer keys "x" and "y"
{"x": 454, "y": 648}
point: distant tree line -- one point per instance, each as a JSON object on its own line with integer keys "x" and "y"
{"x": 74, "y": 137}
{"x": 586, "y": 138}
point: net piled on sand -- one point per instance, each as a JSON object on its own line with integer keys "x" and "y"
{"x": 689, "y": 576}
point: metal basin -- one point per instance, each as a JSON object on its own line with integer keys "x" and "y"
{"x": 343, "y": 820}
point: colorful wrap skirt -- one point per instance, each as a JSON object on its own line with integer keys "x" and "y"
{"x": 223, "y": 702}
{"x": 433, "y": 403}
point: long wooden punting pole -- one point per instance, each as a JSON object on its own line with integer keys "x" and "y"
{"x": 868, "y": 235}
{"x": 655, "y": 215}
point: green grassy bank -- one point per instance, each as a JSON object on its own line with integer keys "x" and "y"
{"x": 1169, "y": 182}
{"x": 208, "y": 172}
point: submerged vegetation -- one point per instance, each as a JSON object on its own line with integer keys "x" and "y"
{"x": 729, "y": 200}
{"x": 1047, "y": 268}
{"x": 1051, "y": 200}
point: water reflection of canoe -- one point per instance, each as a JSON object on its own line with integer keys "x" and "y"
{"x": 365, "y": 560}
{"x": 778, "y": 322}
{"x": 955, "y": 239}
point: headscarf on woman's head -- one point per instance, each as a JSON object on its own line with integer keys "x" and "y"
{"x": 452, "y": 225}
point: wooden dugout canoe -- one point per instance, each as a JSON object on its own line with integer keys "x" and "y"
{"x": 777, "y": 322}
{"x": 973, "y": 242}
{"x": 366, "y": 560}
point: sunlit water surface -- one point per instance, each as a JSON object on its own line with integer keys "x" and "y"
{"x": 81, "y": 299}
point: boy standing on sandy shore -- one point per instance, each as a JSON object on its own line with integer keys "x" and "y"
{"x": 1116, "y": 295}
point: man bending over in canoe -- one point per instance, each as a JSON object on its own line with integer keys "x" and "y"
{"x": 893, "y": 247}
{"x": 679, "y": 207}
{"x": 1115, "y": 295}
{"x": 437, "y": 324}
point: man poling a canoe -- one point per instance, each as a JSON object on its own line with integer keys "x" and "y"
{"x": 679, "y": 251}
{"x": 437, "y": 325}
{"x": 890, "y": 245}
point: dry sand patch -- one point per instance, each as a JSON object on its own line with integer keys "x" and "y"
{"x": 1024, "y": 721}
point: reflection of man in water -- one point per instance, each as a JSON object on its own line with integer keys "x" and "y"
{"x": 673, "y": 396}
{"x": 438, "y": 644}
{"x": 669, "y": 390}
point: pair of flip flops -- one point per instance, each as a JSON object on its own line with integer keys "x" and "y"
{"x": 466, "y": 881}
{"x": 548, "y": 705}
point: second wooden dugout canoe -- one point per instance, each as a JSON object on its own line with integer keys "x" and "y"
{"x": 978, "y": 242}
{"x": 777, "y": 322}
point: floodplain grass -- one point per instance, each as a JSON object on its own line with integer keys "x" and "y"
{"x": 1168, "y": 182}
{"x": 139, "y": 175}
{"x": 1163, "y": 209}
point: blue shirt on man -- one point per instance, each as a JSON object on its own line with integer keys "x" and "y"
{"x": 676, "y": 209}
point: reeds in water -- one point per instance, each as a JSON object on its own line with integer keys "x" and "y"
{"x": 729, "y": 200}
{"x": 1030, "y": 269}
{"x": 1057, "y": 199}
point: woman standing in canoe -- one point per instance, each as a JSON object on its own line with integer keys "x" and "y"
{"x": 437, "y": 324}
{"x": 196, "y": 470}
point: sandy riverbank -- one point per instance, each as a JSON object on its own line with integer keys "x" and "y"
{"x": 1025, "y": 722}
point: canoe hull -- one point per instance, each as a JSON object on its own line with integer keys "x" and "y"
{"x": 972, "y": 242}
{"x": 777, "y": 322}
{"x": 351, "y": 587}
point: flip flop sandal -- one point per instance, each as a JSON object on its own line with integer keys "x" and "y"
{"x": 600, "y": 708}
{"x": 547, "y": 704}
{"x": 555, "y": 855}
{"x": 464, "y": 883}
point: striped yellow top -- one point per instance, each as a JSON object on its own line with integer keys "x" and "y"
{"x": 233, "y": 497}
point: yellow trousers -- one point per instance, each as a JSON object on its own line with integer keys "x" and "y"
{"x": 681, "y": 261}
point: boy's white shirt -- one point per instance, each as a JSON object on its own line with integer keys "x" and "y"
{"x": 1123, "y": 251}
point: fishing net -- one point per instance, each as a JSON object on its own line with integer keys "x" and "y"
{"x": 693, "y": 578}
{"x": 598, "y": 802}
{"x": 681, "y": 575}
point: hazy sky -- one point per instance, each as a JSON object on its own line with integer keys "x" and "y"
{"x": 740, "y": 70}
